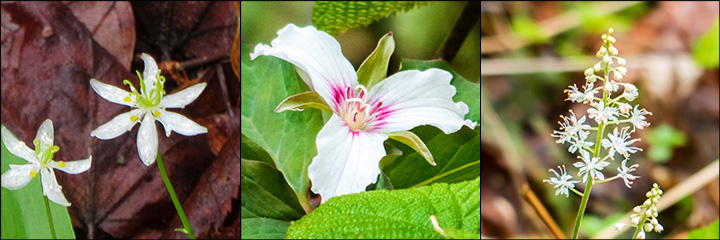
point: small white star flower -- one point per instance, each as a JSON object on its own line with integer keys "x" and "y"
{"x": 638, "y": 118}
{"x": 40, "y": 160}
{"x": 562, "y": 181}
{"x": 618, "y": 144}
{"x": 148, "y": 105}
{"x": 590, "y": 166}
{"x": 624, "y": 173}
{"x": 630, "y": 92}
{"x": 602, "y": 113}
{"x": 584, "y": 97}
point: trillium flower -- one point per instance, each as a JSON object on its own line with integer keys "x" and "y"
{"x": 148, "y": 105}
{"x": 350, "y": 145}
{"x": 40, "y": 161}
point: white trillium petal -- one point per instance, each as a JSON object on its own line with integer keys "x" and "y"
{"x": 117, "y": 126}
{"x": 17, "y": 177}
{"x": 75, "y": 167}
{"x": 182, "y": 98}
{"x": 317, "y": 54}
{"x": 111, "y": 93}
{"x": 180, "y": 124}
{"x": 151, "y": 70}
{"x": 412, "y": 98}
{"x": 147, "y": 140}
{"x": 16, "y": 147}
{"x": 347, "y": 161}
{"x": 51, "y": 188}
{"x": 46, "y": 132}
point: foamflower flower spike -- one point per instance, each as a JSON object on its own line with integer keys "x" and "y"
{"x": 350, "y": 145}
{"x": 148, "y": 105}
{"x": 39, "y": 160}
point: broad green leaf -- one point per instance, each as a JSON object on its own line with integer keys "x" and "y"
{"x": 23, "y": 210}
{"x": 263, "y": 228}
{"x": 708, "y": 232}
{"x": 264, "y": 192}
{"x": 706, "y": 50}
{"x": 457, "y": 156}
{"x": 301, "y": 101}
{"x": 374, "y": 68}
{"x": 335, "y": 17}
{"x": 411, "y": 140}
{"x": 467, "y": 92}
{"x": 288, "y": 137}
{"x": 401, "y": 214}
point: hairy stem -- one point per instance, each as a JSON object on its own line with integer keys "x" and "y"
{"x": 187, "y": 228}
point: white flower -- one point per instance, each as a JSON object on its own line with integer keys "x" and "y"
{"x": 562, "y": 181}
{"x": 350, "y": 145}
{"x": 641, "y": 235}
{"x": 624, "y": 173}
{"x": 602, "y": 113}
{"x": 40, "y": 160}
{"x": 148, "y": 105}
{"x": 585, "y": 97}
{"x": 638, "y": 118}
{"x": 590, "y": 166}
{"x": 618, "y": 144}
{"x": 624, "y": 108}
{"x": 620, "y": 226}
{"x": 630, "y": 92}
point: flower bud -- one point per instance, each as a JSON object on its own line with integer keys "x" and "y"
{"x": 641, "y": 235}
{"x": 648, "y": 227}
{"x": 617, "y": 74}
{"x": 648, "y": 213}
{"x": 589, "y": 72}
{"x": 655, "y": 185}
{"x": 658, "y": 228}
{"x": 611, "y": 39}
{"x": 654, "y": 221}
{"x": 648, "y": 194}
{"x": 613, "y": 51}
{"x": 637, "y": 209}
{"x": 636, "y": 220}
{"x": 621, "y": 61}
{"x": 601, "y": 52}
{"x": 597, "y": 67}
{"x": 622, "y": 70}
{"x": 610, "y": 31}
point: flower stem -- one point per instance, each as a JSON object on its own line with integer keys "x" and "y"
{"x": 581, "y": 211}
{"x": 188, "y": 229}
{"x": 640, "y": 225}
{"x": 50, "y": 219}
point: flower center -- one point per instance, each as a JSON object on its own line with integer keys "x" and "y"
{"x": 44, "y": 152}
{"x": 355, "y": 110}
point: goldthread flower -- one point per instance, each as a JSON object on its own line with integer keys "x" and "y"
{"x": 39, "y": 161}
{"x": 148, "y": 105}
{"x": 350, "y": 145}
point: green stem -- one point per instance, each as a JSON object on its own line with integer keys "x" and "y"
{"x": 583, "y": 204}
{"x": 50, "y": 219}
{"x": 640, "y": 225}
{"x": 188, "y": 229}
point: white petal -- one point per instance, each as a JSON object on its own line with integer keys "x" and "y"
{"x": 182, "y": 98}
{"x": 347, "y": 161}
{"x": 17, "y": 177}
{"x": 74, "y": 167}
{"x": 177, "y": 122}
{"x": 16, "y": 147}
{"x": 46, "y": 132}
{"x": 117, "y": 126}
{"x": 51, "y": 188}
{"x": 412, "y": 98}
{"x": 147, "y": 140}
{"x": 112, "y": 93}
{"x": 149, "y": 73}
{"x": 317, "y": 54}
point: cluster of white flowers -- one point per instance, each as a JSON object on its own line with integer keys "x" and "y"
{"x": 644, "y": 217}
{"x": 607, "y": 110}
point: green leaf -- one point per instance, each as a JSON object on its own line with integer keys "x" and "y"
{"x": 288, "y": 137}
{"x": 374, "y": 68}
{"x": 456, "y": 155}
{"x": 410, "y": 139}
{"x": 263, "y": 228}
{"x": 23, "y": 210}
{"x": 708, "y": 232}
{"x": 401, "y": 214}
{"x": 706, "y": 50}
{"x": 301, "y": 101}
{"x": 264, "y": 192}
{"x": 663, "y": 139}
{"x": 335, "y": 17}
{"x": 467, "y": 92}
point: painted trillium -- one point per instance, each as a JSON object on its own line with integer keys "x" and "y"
{"x": 39, "y": 160}
{"x": 148, "y": 105}
{"x": 350, "y": 145}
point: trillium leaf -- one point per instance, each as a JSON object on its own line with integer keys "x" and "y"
{"x": 401, "y": 214}
{"x": 288, "y": 137}
{"x": 335, "y": 17}
{"x": 374, "y": 68}
{"x": 23, "y": 210}
{"x": 410, "y": 139}
{"x": 263, "y": 228}
{"x": 301, "y": 101}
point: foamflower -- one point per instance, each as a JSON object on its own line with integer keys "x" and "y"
{"x": 350, "y": 145}
{"x": 624, "y": 173}
{"x": 40, "y": 161}
{"x": 148, "y": 105}
{"x": 562, "y": 181}
{"x": 590, "y": 166}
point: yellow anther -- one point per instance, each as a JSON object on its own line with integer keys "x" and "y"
{"x": 62, "y": 164}
{"x": 156, "y": 113}
{"x": 133, "y": 118}
{"x": 127, "y": 99}
{"x": 33, "y": 174}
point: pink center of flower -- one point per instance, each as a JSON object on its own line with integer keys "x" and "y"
{"x": 354, "y": 110}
